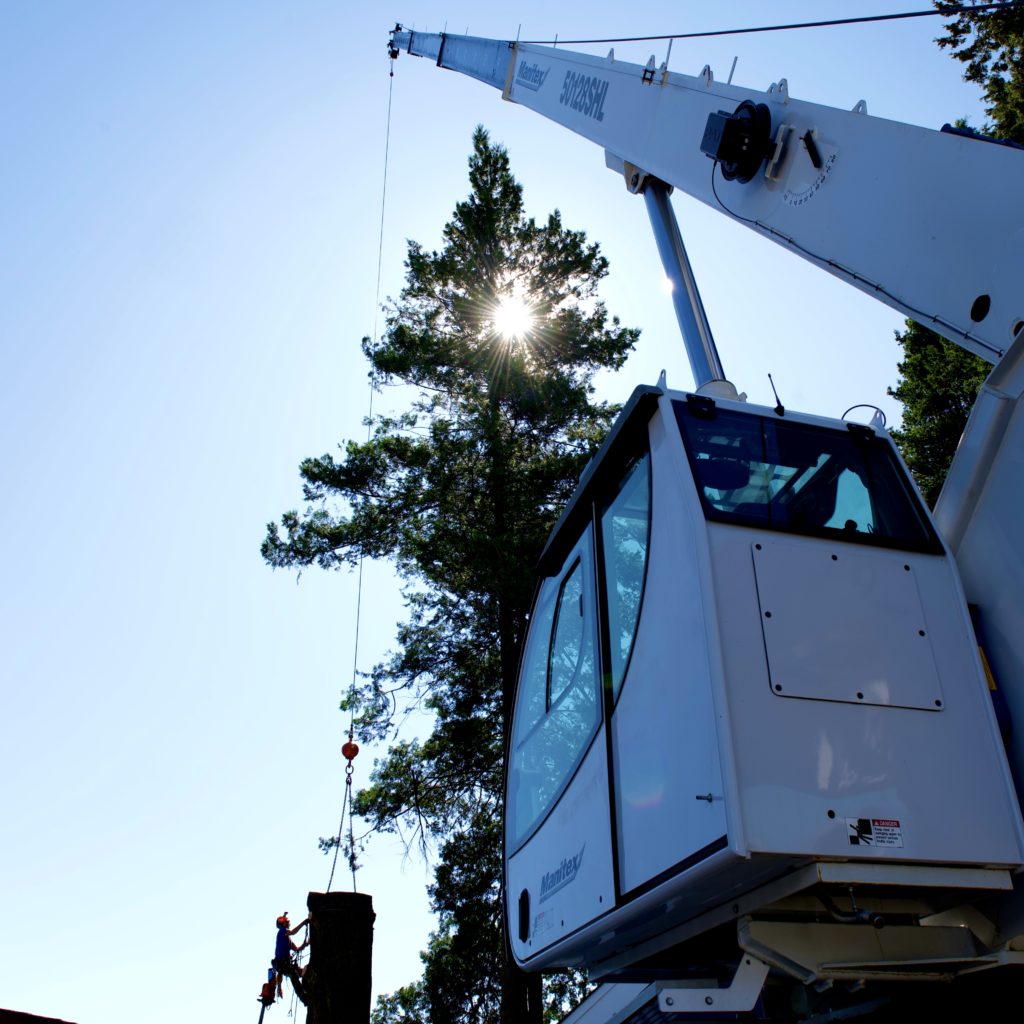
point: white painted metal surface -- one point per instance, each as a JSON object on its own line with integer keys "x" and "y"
{"x": 968, "y": 882}
{"x": 844, "y": 624}
{"x": 924, "y": 221}
{"x": 568, "y": 875}
{"x": 883, "y": 781}
{"x": 980, "y": 512}
{"x": 809, "y": 772}
{"x": 737, "y": 997}
{"x": 609, "y": 1004}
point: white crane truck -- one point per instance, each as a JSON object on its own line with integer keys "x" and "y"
{"x": 754, "y": 754}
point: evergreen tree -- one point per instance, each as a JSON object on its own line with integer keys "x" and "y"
{"x": 460, "y": 491}
{"x": 939, "y": 380}
{"x": 991, "y": 45}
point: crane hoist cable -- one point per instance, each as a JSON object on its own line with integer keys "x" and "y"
{"x": 350, "y": 748}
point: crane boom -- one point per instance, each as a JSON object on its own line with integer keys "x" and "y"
{"x": 931, "y": 223}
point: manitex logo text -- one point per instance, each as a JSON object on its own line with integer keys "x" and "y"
{"x": 561, "y": 876}
{"x": 584, "y": 93}
{"x": 531, "y": 76}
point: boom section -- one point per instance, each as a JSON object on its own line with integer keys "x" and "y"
{"x": 931, "y": 223}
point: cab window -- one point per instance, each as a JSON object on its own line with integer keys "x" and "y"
{"x": 557, "y": 704}
{"x": 802, "y": 478}
{"x": 625, "y": 535}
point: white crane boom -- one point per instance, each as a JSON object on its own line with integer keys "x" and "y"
{"x": 929, "y": 222}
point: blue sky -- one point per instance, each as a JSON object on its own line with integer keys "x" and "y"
{"x": 190, "y": 207}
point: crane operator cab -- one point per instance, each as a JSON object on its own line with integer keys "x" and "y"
{"x": 751, "y": 698}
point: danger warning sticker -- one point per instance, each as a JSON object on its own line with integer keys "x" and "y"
{"x": 875, "y": 832}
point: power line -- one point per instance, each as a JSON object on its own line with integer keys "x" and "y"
{"x": 931, "y": 13}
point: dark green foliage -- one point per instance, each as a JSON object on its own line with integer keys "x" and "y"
{"x": 562, "y": 993}
{"x": 460, "y": 491}
{"x": 464, "y": 965}
{"x": 938, "y": 385}
{"x": 406, "y": 1006}
{"x": 991, "y": 45}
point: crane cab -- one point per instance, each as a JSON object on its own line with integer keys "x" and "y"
{"x": 749, "y": 664}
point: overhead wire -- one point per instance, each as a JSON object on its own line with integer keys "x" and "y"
{"x": 347, "y": 800}
{"x": 864, "y": 19}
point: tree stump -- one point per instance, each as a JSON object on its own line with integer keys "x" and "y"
{"x": 338, "y": 979}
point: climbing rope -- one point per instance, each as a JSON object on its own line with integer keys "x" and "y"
{"x": 350, "y": 749}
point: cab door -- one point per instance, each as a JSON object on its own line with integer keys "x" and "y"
{"x": 557, "y": 831}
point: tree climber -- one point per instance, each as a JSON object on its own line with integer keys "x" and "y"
{"x": 284, "y": 962}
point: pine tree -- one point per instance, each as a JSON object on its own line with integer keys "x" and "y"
{"x": 939, "y": 382}
{"x": 460, "y": 491}
{"x": 991, "y": 45}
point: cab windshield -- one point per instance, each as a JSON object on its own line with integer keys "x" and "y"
{"x": 775, "y": 474}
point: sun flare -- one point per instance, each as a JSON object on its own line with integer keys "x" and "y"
{"x": 513, "y": 318}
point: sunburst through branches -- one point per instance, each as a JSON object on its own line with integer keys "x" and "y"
{"x": 513, "y": 318}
